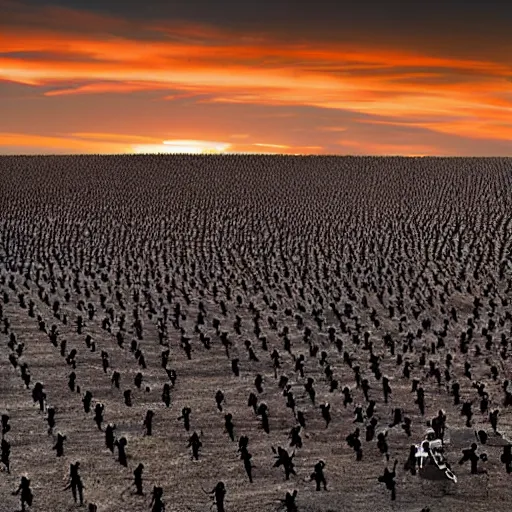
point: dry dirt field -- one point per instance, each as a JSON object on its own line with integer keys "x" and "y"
{"x": 383, "y": 246}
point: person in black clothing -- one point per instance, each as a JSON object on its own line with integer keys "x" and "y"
{"x": 75, "y": 482}
{"x": 6, "y": 452}
{"x": 26, "y": 493}
{"x": 59, "y": 445}
{"x": 137, "y": 474}
{"x": 157, "y": 505}
{"x": 195, "y": 443}
{"x": 388, "y": 478}
{"x": 470, "y": 454}
{"x": 318, "y": 475}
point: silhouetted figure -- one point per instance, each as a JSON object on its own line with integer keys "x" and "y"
{"x": 386, "y": 388}
{"x": 86, "y": 400}
{"x": 295, "y": 438}
{"x": 109, "y": 436}
{"x": 121, "y": 451}
{"x": 258, "y": 381}
{"x": 411, "y": 462}
{"x": 38, "y": 395}
{"x": 166, "y": 395}
{"x": 326, "y": 414}
{"x": 59, "y": 445}
{"x": 195, "y": 443}
{"x": 470, "y": 454}
{"x": 5, "y": 454}
{"x": 370, "y": 429}
{"x": 75, "y": 483}
{"x": 289, "y": 502}
{"x": 246, "y": 457}
{"x": 263, "y": 413}
{"x": 506, "y": 457}
{"x": 219, "y": 398}
{"x": 26, "y": 493}
{"x": 115, "y": 379}
{"x": 466, "y": 411}
{"x": 219, "y": 494}
{"x": 5, "y": 424}
{"x": 172, "y": 376}
{"x": 406, "y": 426}
{"x": 347, "y": 396}
{"x": 493, "y": 419}
{"x": 185, "y": 416}
{"x": 229, "y": 426}
{"x": 98, "y": 414}
{"x": 148, "y": 423}
{"x": 234, "y": 367}
{"x": 253, "y": 402}
{"x": 157, "y": 504}
{"x": 301, "y": 419}
{"x": 388, "y": 478}
{"x": 310, "y": 390}
{"x": 72, "y": 381}
{"x": 420, "y": 400}
{"x": 128, "y": 398}
{"x": 397, "y": 417}
{"x": 137, "y": 475}
{"x": 286, "y": 460}
{"x": 382, "y": 444}
{"x": 318, "y": 475}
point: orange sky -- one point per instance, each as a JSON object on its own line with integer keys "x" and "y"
{"x": 100, "y": 83}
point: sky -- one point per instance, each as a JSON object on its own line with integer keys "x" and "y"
{"x": 361, "y": 77}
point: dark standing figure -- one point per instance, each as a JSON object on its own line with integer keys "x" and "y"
{"x": 166, "y": 395}
{"x": 86, "y": 400}
{"x": 75, "y": 482}
{"x": 137, "y": 475}
{"x": 26, "y": 493}
{"x": 50, "y": 419}
{"x": 72, "y": 381}
{"x": 382, "y": 444}
{"x": 59, "y": 445}
{"x": 185, "y": 416}
{"x": 326, "y": 414}
{"x": 115, "y": 379}
{"x": 128, "y": 397}
{"x": 98, "y": 414}
{"x": 109, "y": 436}
{"x": 121, "y": 449}
{"x": 219, "y": 398}
{"x": 318, "y": 475}
{"x": 286, "y": 460}
{"x": 246, "y": 457}
{"x": 6, "y": 452}
{"x": 289, "y": 502}
{"x": 229, "y": 426}
{"x": 148, "y": 423}
{"x": 470, "y": 454}
{"x": 5, "y": 424}
{"x": 157, "y": 505}
{"x": 506, "y": 457}
{"x": 493, "y": 418}
{"x": 410, "y": 463}
{"x": 219, "y": 493}
{"x": 263, "y": 413}
{"x": 386, "y": 388}
{"x": 388, "y": 478}
{"x": 195, "y": 443}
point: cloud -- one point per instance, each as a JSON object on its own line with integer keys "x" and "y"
{"x": 62, "y": 52}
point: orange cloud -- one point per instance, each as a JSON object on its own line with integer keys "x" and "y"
{"x": 81, "y": 56}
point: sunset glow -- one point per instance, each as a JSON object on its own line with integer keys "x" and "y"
{"x": 162, "y": 86}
